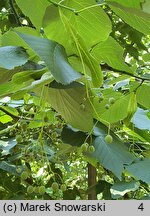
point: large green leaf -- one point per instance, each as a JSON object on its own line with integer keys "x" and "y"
{"x": 140, "y": 170}
{"x": 72, "y": 41}
{"x": 11, "y": 57}
{"x": 34, "y": 9}
{"x": 51, "y": 24}
{"x": 72, "y": 103}
{"x": 111, "y": 53}
{"x": 128, "y": 3}
{"x": 112, "y": 156}
{"x": 119, "y": 189}
{"x": 85, "y": 57}
{"x": 54, "y": 56}
{"x": 134, "y": 17}
{"x": 143, "y": 95}
{"x": 116, "y": 111}
{"x": 83, "y": 22}
{"x": 10, "y": 38}
{"x": 141, "y": 120}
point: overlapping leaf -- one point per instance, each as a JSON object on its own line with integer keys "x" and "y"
{"x": 143, "y": 96}
{"x": 83, "y": 22}
{"x": 128, "y": 3}
{"x": 140, "y": 170}
{"x": 111, "y": 53}
{"x": 54, "y": 56}
{"x": 12, "y": 56}
{"x": 112, "y": 156}
{"x": 72, "y": 103}
{"x": 141, "y": 120}
{"x": 34, "y": 9}
{"x": 119, "y": 189}
{"x": 134, "y": 17}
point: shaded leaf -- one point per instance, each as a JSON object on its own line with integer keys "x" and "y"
{"x": 67, "y": 101}
{"x": 5, "y": 75}
{"x": 143, "y": 133}
{"x": 8, "y": 167}
{"x": 141, "y": 120}
{"x": 140, "y": 170}
{"x": 7, "y": 145}
{"x": 112, "y": 156}
{"x": 11, "y": 56}
{"x": 72, "y": 137}
{"x": 119, "y": 189}
{"x": 104, "y": 187}
{"x": 71, "y": 194}
{"x": 54, "y": 56}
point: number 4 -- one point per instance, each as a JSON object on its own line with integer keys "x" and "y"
{"x": 141, "y": 207}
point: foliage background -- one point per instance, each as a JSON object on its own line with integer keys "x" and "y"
{"x": 71, "y": 73}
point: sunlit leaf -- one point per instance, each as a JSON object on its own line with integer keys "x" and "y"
{"x": 134, "y": 17}
{"x": 34, "y": 9}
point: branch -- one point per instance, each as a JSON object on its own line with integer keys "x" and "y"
{"x": 106, "y": 67}
{"x": 11, "y": 3}
{"x": 14, "y": 116}
{"x": 76, "y": 12}
{"x": 10, "y": 114}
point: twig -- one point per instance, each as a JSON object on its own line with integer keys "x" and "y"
{"x": 124, "y": 72}
{"x": 63, "y": 6}
{"x": 14, "y": 116}
{"x": 76, "y": 12}
{"x": 11, "y": 3}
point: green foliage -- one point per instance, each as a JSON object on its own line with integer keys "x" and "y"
{"x": 140, "y": 169}
{"x": 74, "y": 89}
{"x": 11, "y": 57}
{"x": 69, "y": 104}
{"x": 119, "y": 189}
